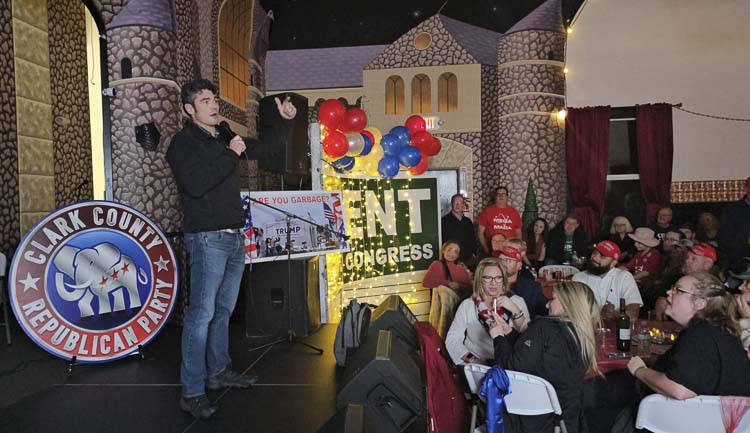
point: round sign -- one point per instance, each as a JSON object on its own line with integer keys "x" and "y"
{"x": 94, "y": 280}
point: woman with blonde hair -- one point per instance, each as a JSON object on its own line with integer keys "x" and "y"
{"x": 468, "y": 339}
{"x": 708, "y": 356}
{"x": 560, "y": 348}
{"x": 619, "y": 231}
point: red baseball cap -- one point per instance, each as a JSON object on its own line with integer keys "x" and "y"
{"x": 512, "y": 253}
{"x": 608, "y": 249}
{"x": 704, "y": 250}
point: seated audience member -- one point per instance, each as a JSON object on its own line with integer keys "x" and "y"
{"x": 734, "y": 235}
{"x": 645, "y": 264}
{"x": 566, "y": 238}
{"x": 688, "y": 230}
{"x": 560, "y": 348}
{"x": 619, "y": 235}
{"x": 663, "y": 223}
{"x": 455, "y": 225}
{"x": 468, "y": 339}
{"x": 527, "y": 288}
{"x": 449, "y": 271}
{"x": 707, "y": 357}
{"x": 671, "y": 268}
{"x": 708, "y": 228}
{"x": 743, "y": 303}
{"x": 536, "y": 248}
{"x": 498, "y": 217}
{"x": 609, "y": 283}
{"x": 701, "y": 257}
{"x": 497, "y": 244}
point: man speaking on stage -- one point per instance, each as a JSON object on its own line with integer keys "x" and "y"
{"x": 204, "y": 159}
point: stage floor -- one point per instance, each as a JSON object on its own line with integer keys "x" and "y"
{"x": 296, "y": 391}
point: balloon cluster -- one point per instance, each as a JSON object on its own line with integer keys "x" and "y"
{"x": 349, "y": 143}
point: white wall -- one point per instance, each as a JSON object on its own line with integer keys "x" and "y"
{"x": 694, "y": 52}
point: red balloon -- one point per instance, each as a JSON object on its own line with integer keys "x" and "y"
{"x": 355, "y": 120}
{"x": 335, "y": 144}
{"x": 331, "y": 113}
{"x": 434, "y": 147}
{"x": 415, "y": 124}
{"x": 369, "y": 134}
{"x": 422, "y": 140}
{"x": 421, "y": 167}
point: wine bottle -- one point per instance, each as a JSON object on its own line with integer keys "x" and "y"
{"x": 623, "y": 329}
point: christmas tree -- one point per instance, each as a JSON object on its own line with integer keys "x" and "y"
{"x": 530, "y": 210}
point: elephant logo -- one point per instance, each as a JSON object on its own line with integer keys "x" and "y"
{"x": 99, "y": 272}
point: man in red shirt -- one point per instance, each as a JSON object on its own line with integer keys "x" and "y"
{"x": 498, "y": 218}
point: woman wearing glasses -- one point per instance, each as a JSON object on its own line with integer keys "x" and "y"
{"x": 468, "y": 339}
{"x": 707, "y": 357}
{"x": 560, "y": 348}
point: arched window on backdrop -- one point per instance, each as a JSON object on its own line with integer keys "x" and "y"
{"x": 394, "y": 95}
{"x": 235, "y": 25}
{"x": 421, "y": 101}
{"x": 447, "y": 93}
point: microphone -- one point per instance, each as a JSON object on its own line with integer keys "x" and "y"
{"x": 225, "y": 129}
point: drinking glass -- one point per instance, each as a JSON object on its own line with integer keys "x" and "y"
{"x": 602, "y": 335}
{"x": 641, "y": 339}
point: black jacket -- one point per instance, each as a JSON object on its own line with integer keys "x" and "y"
{"x": 556, "y": 243}
{"x": 548, "y": 349}
{"x": 208, "y": 179}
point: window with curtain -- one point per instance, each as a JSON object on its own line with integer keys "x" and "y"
{"x": 235, "y": 25}
{"x": 448, "y": 93}
{"x": 421, "y": 101}
{"x": 623, "y": 194}
{"x": 394, "y": 95}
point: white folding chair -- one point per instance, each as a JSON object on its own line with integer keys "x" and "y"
{"x": 474, "y": 376}
{"x": 566, "y": 270}
{"x": 700, "y": 414}
{"x": 531, "y": 395}
{"x": 3, "y": 298}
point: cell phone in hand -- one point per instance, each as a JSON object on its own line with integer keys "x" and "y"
{"x": 494, "y": 304}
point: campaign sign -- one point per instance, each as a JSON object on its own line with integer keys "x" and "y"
{"x": 93, "y": 280}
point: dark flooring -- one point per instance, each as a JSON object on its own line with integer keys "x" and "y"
{"x": 296, "y": 391}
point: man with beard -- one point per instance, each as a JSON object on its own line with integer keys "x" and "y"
{"x": 610, "y": 284}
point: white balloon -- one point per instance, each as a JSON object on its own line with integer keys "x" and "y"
{"x": 356, "y": 143}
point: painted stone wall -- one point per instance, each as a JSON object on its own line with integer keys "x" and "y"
{"x": 140, "y": 176}
{"x": 531, "y": 141}
{"x": 70, "y": 102}
{"x": 9, "y": 207}
{"x": 442, "y": 51}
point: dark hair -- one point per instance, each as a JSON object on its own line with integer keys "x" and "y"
{"x": 503, "y": 187}
{"x": 531, "y": 237}
{"x": 454, "y": 196}
{"x": 192, "y": 88}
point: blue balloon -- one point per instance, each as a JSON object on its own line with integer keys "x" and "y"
{"x": 391, "y": 144}
{"x": 403, "y": 134}
{"x": 343, "y": 165}
{"x": 409, "y": 156}
{"x": 388, "y": 166}
{"x": 368, "y": 145}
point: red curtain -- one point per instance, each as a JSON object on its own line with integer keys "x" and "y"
{"x": 587, "y": 155}
{"x": 653, "y": 124}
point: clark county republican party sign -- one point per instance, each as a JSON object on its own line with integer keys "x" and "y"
{"x": 93, "y": 281}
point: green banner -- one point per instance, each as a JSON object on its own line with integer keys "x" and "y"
{"x": 394, "y": 226}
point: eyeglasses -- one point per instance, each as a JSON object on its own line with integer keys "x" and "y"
{"x": 497, "y": 279}
{"x": 678, "y": 289}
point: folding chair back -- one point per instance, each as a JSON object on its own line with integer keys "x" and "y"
{"x": 701, "y": 414}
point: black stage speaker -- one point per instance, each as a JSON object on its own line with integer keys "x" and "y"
{"x": 351, "y": 419}
{"x": 393, "y": 315}
{"x": 266, "y": 303}
{"x": 284, "y": 143}
{"x": 389, "y": 384}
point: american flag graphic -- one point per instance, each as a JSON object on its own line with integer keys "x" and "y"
{"x": 251, "y": 248}
{"x": 339, "y": 220}
{"x": 330, "y": 216}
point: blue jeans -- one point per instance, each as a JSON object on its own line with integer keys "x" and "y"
{"x": 217, "y": 260}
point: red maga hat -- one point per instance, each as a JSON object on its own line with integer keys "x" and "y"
{"x": 608, "y": 249}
